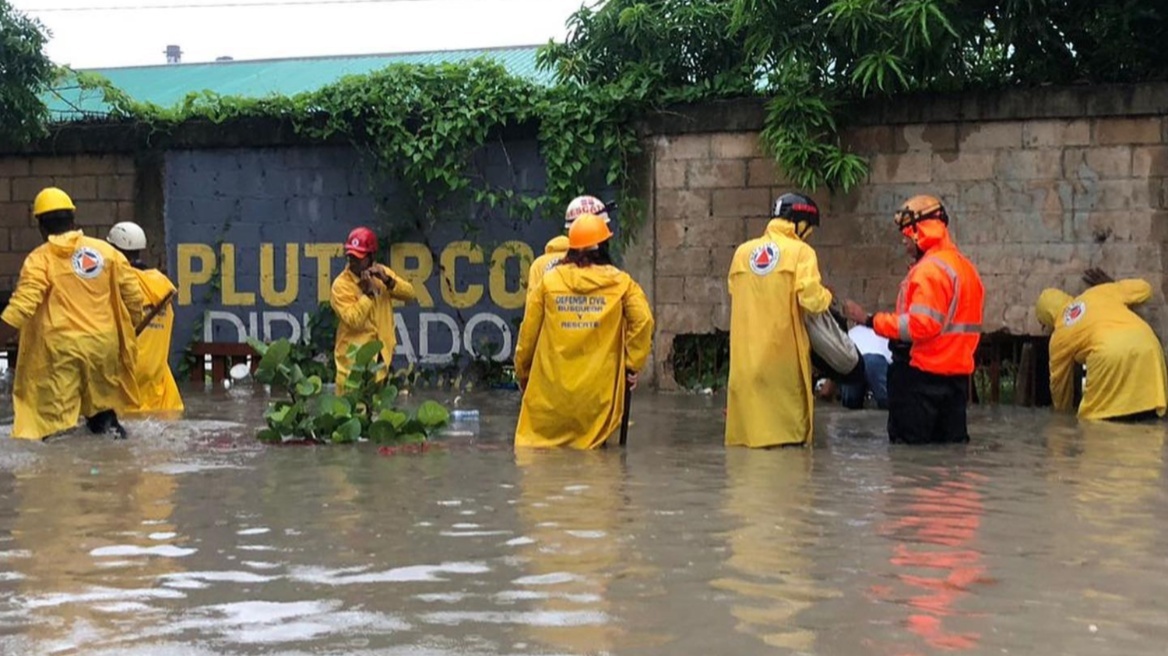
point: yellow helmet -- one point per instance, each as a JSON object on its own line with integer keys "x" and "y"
{"x": 51, "y": 199}
{"x": 920, "y": 208}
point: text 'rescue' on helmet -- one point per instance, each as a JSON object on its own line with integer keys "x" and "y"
{"x": 798, "y": 209}
{"x": 920, "y": 208}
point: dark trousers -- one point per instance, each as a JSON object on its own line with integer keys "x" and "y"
{"x": 925, "y": 408}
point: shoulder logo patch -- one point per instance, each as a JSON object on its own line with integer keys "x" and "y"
{"x": 87, "y": 263}
{"x": 764, "y": 259}
{"x": 1074, "y": 313}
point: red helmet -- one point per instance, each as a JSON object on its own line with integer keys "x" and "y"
{"x": 361, "y": 242}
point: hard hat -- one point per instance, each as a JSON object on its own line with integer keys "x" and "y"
{"x": 51, "y": 199}
{"x": 582, "y": 205}
{"x": 127, "y": 236}
{"x": 361, "y": 242}
{"x": 796, "y": 208}
{"x": 920, "y": 208}
{"x": 588, "y": 231}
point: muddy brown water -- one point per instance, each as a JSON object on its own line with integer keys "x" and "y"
{"x": 1044, "y": 536}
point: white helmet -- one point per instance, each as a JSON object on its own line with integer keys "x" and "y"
{"x": 127, "y": 236}
{"x": 585, "y": 205}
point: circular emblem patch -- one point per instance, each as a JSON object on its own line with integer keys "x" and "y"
{"x": 1074, "y": 313}
{"x": 87, "y": 263}
{"x": 764, "y": 259}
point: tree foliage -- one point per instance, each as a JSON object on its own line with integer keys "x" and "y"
{"x": 25, "y": 73}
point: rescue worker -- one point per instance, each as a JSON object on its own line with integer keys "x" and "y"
{"x": 1126, "y": 376}
{"x": 555, "y": 249}
{"x": 157, "y": 390}
{"x": 774, "y": 280}
{"x": 75, "y": 307}
{"x": 938, "y": 318}
{"x": 362, "y": 297}
{"x": 586, "y": 331}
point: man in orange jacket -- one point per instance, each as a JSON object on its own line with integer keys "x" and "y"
{"x": 938, "y": 317}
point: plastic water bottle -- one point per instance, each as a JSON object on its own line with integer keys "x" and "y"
{"x": 463, "y": 423}
{"x": 464, "y": 415}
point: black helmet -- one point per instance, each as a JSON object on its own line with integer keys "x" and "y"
{"x": 796, "y": 208}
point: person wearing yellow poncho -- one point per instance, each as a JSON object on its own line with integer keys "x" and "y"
{"x": 557, "y": 247}
{"x": 75, "y": 307}
{"x": 157, "y": 390}
{"x": 773, "y": 281}
{"x": 586, "y": 331}
{"x": 1126, "y": 374}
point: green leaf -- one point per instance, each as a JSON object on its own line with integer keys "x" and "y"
{"x": 396, "y": 418}
{"x": 366, "y": 353}
{"x": 274, "y": 357}
{"x": 432, "y": 415}
{"x": 347, "y": 432}
{"x": 382, "y": 431}
{"x": 386, "y": 398}
{"x": 269, "y": 436}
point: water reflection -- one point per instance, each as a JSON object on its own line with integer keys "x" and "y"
{"x": 769, "y": 493}
{"x": 569, "y": 507}
{"x": 94, "y": 535}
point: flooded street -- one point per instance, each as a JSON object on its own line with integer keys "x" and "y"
{"x": 1042, "y": 537}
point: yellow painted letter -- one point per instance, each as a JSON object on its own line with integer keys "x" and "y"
{"x": 398, "y": 254}
{"x": 227, "y": 275}
{"x": 268, "y": 275}
{"x": 506, "y": 298}
{"x": 324, "y": 253}
{"x": 188, "y": 278}
{"x": 454, "y": 251}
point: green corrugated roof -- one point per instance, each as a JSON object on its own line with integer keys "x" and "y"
{"x": 167, "y": 84}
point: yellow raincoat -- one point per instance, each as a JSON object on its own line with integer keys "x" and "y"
{"x": 157, "y": 390}
{"x": 361, "y": 319}
{"x": 773, "y": 280}
{"x": 582, "y": 329}
{"x": 1123, "y": 357}
{"x": 552, "y": 254}
{"x": 76, "y": 305}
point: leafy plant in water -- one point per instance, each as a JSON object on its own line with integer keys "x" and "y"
{"x": 364, "y": 408}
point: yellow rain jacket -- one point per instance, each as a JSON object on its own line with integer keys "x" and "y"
{"x": 552, "y": 254}
{"x": 157, "y": 390}
{"x": 76, "y": 305}
{"x": 773, "y": 280}
{"x": 582, "y": 329}
{"x": 361, "y": 319}
{"x": 1123, "y": 357}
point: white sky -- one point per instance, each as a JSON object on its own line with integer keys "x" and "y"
{"x": 108, "y": 36}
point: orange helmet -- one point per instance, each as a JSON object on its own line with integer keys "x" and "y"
{"x": 920, "y": 208}
{"x": 588, "y": 231}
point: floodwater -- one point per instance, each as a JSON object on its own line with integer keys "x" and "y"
{"x": 1041, "y": 537}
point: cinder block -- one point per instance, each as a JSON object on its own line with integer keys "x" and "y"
{"x": 990, "y": 136}
{"x": 79, "y": 188}
{"x": 901, "y": 168}
{"x": 25, "y": 189}
{"x": 670, "y": 174}
{"x": 96, "y": 164}
{"x": 735, "y": 145}
{"x": 685, "y": 261}
{"x": 1144, "y": 130}
{"x": 966, "y": 166}
{"x": 1056, "y": 134}
{"x": 682, "y": 146}
{"x": 1098, "y": 162}
{"x": 714, "y": 232}
{"x": 682, "y": 204}
{"x": 1150, "y": 162}
{"x": 23, "y": 240}
{"x": 52, "y": 166}
{"x": 670, "y": 289}
{"x": 1029, "y": 164}
{"x": 764, "y": 172}
{"x": 716, "y": 173}
{"x": 685, "y": 318}
{"x": 707, "y": 290}
{"x": 14, "y": 167}
{"x": 118, "y": 187}
{"x": 741, "y": 202}
{"x": 929, "y": 137}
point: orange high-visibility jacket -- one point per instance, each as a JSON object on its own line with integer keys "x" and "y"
{"x": 939, "y": 308}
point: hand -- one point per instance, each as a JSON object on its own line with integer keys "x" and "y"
{"x": 7, "y": 334}
{"x": 631, "y": 379}
{"x": 1096, "y": 276}
{"x": 366, "y": 284}
{"x": 854, "y": 312}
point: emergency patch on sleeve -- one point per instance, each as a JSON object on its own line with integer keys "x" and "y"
{"x": 1074, "y": 313}
{"x": 764, "y": 259}
{"x": 87, "y": 263}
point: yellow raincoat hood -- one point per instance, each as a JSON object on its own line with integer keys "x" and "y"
{"x": 557, "y": 245}
{"x": 1051, "y": 303}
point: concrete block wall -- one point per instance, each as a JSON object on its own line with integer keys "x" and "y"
{"x": 1034, "y": 201}
{"x": 104, "y": 188}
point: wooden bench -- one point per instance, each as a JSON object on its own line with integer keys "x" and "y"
{"x": 223, "y": 356}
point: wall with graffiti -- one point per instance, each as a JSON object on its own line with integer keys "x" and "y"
{"x": 254, "y": 241}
